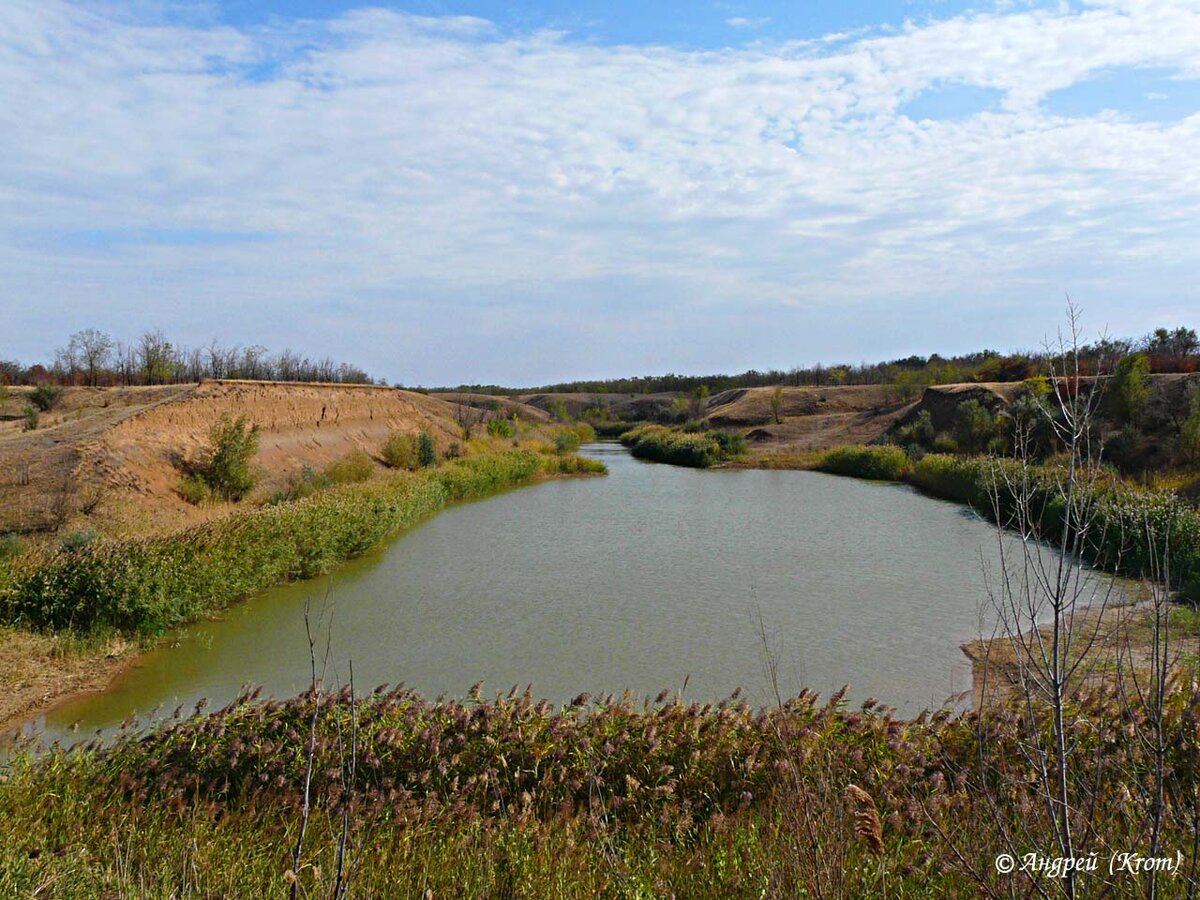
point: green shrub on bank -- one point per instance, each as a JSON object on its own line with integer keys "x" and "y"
{"x": 885, "y": 462}
{"x": 30, "y": 417}
{"x": 681, "y": 447}
{"x": 224, "y": 466}
{"x": 146, "y": 585}
{"x": 566, "y": 442}
{"x": 426, "y": 451}
{"x": 352, "y": 468}
{"x": 400, "y": 451}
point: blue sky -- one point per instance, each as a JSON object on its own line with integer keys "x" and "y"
{"x": 532, "y": 192}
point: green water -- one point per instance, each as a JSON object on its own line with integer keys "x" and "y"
{"x": 655, "y": 577}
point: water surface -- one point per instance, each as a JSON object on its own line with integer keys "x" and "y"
{"x": 654, "y": 577}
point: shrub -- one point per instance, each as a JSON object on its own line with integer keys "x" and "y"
{"x": 944, "y": 443}
{"x": 225, "y": 465}
{"x": 194, "y": 490}
{"x": 585, "y": 431}
{"x": 1128, "y": 387}
{"x": 658, "y": 442}
{"x": 45, "y": 396}
{"x": 731, "y": 443}
{"x": 352, "y": 468}
{"x": 426, "y": 451}
{"x": 305, "y": 484}
{"x": 400, "y": 451}
{"x": 973, "y": 426}
{"x": 31, "y": 417}
{"x": 885, "y": 462}
{"x": 574, "y": 465}
{"x": 502, "y": 428}
{"x": 566, "y": 442}
{"x": 919, "y": 432}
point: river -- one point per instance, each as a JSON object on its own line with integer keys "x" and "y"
{"x": 655, "y": 577}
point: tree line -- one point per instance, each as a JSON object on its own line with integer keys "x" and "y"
{"x": 92, "y": 357}
{"x": 1166, "y": 350}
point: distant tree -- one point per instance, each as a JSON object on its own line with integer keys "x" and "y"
{"x": 777, "y": 403}
{"x": 92, "y": 352}
{"x": 1176, "y": 343}
{"x": 1129, "y": 387}
{"x": 155, "y": 358}
{"x": 700, "y": 399}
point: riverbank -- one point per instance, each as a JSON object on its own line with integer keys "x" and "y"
{"x": 77, "y": 618}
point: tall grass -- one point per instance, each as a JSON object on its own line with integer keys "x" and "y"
{"x": 612, "y": 798}
{"x": 884, "y": 462}
{"x": 150, "y": 584}
{"x": 698, "y": 449}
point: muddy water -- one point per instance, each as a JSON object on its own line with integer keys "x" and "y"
{"x": 655, "y": 577}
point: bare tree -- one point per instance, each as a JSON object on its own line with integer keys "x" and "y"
{"x": 1054, "y": 631}
{"x": 92, "y": 350}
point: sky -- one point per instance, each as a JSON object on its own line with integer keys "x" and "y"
{"x": 481, "y": 191}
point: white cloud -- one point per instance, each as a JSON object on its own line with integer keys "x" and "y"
{"x": 744, "y": 22}
{"x": 403, "y": 157}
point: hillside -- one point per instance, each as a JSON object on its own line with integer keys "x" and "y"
{"x": 108, "y": 458}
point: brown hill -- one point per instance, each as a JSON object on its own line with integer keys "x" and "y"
{"x": 108, "y": 458}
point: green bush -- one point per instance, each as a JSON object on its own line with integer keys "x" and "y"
{"x": 194, "y": 490}
{"x": 304, "y": 484}
{"x": 585, "y": 431}
{"x": 566, "y": 442}
{"x": 681, "y": 447}
{"x": 400, "y": 451}
{"x": 945, "y": 443}
{"x": 731, "y": 443}
{"x": 1129, "y": 387}
{"x": 352, "y": 468}
{"x": 885, "y": 462}
{"x": 919, "y": 432}
{"x": 663, "y": 444}
{"x": 225, "y": 464}
{"x": 502, "y": 428}
{"x": 973, "y": 426}
{"x": 426, "y": 451}
{"x": 31, "y": 418}
{"x": 45, "y": 396}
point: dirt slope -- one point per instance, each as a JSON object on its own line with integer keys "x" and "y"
{"x": 813, "y": 418}
{"x": 108, "y": 458}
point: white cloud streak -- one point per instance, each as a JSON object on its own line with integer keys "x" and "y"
{"x": 426, "y": 163}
